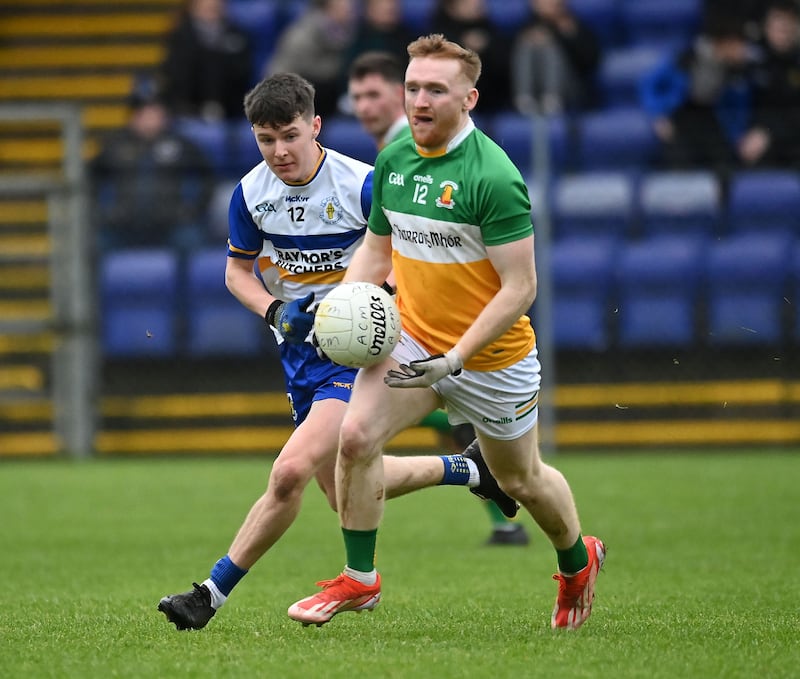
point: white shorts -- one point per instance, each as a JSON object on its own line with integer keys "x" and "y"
{"x": 501, "y": 403}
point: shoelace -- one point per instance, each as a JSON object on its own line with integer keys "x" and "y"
{"x": 569, "y": 589}
{"x": 325, "y": 584}
{"x": 200, "y": 596}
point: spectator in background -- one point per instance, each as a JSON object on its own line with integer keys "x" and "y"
{"x": 208, "y": 66}
{"x": 316, "y": 46}
{"x": 468, "y": 23}
{"x": 152, "y": 186}
{"x": 381, "y": 28}
{"x": 554, "y": 59}
{"x": 700, "y": 101}
{"x": 774, "y": 139}
{"x": 748, "y": 12}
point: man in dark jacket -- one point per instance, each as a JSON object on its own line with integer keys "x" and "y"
{"x": 152, "y": 186}
{"x": 208, "y": 66}
{"x": 700, "y": 102}
{"x": 774, "y": 139}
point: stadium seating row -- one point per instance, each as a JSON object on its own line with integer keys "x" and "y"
{"x": 616, "y": 138}
{"x": 663, "y": 291}
{"x": 616, "y": 144}
{"x": 615, "y": 22}
{"x": 616, "y": 204}
{"x": 669, "y": 291}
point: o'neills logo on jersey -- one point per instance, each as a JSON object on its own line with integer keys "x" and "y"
{"x": 445, "y": 199}
{"x": 331, "y": 210}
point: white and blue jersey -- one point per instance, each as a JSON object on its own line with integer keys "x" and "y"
{"x": 301, "y": 238}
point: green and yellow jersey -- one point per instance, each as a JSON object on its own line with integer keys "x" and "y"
{"x": 441, "y": 212}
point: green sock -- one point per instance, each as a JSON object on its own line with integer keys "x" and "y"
{"x": 571, "y": 560}
{"x": 436, "y": 420}
{"x": 359, "y": 546}
{"x": 495, "y": 514}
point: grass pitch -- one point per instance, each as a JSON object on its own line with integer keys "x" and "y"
{"x": 700, "y": 581}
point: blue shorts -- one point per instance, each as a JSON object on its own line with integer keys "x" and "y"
{"x": 310, "y": 378}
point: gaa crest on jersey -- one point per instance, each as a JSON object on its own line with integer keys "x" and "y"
{"x": 331, "y": 211}
{"x": 445, "y": 198}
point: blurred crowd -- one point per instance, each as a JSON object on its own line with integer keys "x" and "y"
{"x": 726, "y": 96}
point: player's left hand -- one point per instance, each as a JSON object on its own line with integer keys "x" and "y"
{"x": 425, "y": 372}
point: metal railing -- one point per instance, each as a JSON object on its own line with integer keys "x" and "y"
{"x": 74, "y": 360}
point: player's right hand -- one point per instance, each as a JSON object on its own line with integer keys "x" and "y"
{"x": 292, "y": 320}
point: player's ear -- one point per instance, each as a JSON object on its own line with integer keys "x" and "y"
{"x": 470, "y": 100}
{"x": 316, "y": 126}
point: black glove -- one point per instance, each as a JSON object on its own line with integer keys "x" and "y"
{"x": 292, "y": 320}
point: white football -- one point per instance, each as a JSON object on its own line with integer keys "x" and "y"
{"x": 357, "y": 324}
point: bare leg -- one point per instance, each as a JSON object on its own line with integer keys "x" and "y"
{"x": 310, "y": 447}
{"x": 406, "y": 474}
{"x": 361, "y": 484}
{"x": 538, "y": 487}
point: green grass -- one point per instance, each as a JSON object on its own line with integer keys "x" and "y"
{"x": 701, "y": 578}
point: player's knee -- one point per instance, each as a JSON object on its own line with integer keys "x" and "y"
{"x": 288, "y": 479}
{"x": 355, "y": 442}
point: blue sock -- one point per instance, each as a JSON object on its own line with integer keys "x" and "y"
{"x": 226, "y": 574}
{"x": 456, "y": 470}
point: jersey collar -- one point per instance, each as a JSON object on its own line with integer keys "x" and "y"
{"x": 452, "y": 144}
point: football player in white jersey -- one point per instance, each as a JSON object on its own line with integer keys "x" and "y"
{"x": 303, "y": 211}
{"x": 375, "y": 87}
{"x": 451, "y": 218}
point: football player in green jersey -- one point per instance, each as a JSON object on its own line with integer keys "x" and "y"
{"x": 375, "y": 86}
{"x": 451, "y": 218}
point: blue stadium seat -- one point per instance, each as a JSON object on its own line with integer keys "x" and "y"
{"x": 658, "y": 292}
{"x": 139, "y": 303}
{"x": 686, "y": 203}
{"x": 617, "y": 138}
{"x": 748, "y": 275}
{"x": 602, "y": 16}
{"x": 764, "y": 201}
{"x": 291, "y": 10}
{"x": 514, "y": 132}
{"x": 660, "y": 22}
{"x": 212, "y": 137}
{"x": 598, "y": 204}
{"x": 217, "y": 323}
{"x": 622, "y": 68}
{"x": 261, "y": 20}
{"x": 508, "y": 15}
{"x": 345, "y": 134}
{"x": 417, "y": 14}
{"x": 582, "y": 270}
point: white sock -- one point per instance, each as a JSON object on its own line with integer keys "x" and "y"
{"x": 362, "y": 577}
{"x": 474, "y": 474}
{"x": 217, "y": 597}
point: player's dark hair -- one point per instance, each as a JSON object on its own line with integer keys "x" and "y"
{"x": 276, "y": 101}
{"x": 384, "y": 64}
